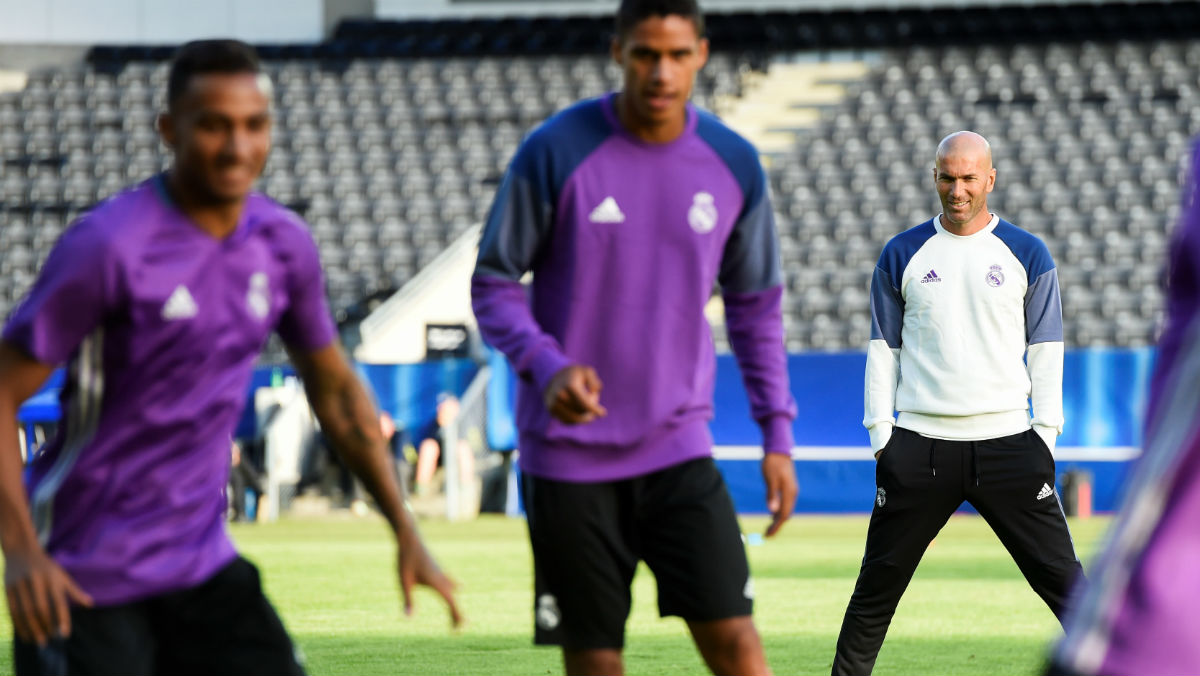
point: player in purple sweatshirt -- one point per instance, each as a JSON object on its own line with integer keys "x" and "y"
{"x": 628, "y": 209}
{"x": 117, "y": 560}
{"x": 1138, "y": 613}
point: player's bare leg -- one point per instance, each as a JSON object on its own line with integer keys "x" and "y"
{"x": 731, "y": 646}
{"x": 427, "y": 458}
{"x": 595, "y": 662}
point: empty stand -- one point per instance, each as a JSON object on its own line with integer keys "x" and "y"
{"x": 390, "y": 140}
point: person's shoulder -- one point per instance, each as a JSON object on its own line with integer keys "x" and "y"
{"x": 265, "y": 212}
{"x": 111, "y": 225}
{"x": 735, "y": 152}
{"x": 556, "y": 148}
{"x": 580, "y": 125}
{"x": 730, "y": 145}
{"x": 1010, "y": 232}
{"x": 1026, "y": 246}
{"x": 285, "y": 233}
{"x": 910, "y": 241}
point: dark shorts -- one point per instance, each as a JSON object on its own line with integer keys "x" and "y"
{"x": 588, "y": 538}
{"x": 224, "y": 626}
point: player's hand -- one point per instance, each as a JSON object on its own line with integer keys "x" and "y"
{"x": 573, "y": 395}
{"x": 417, "y": 567}
{"x": 779, "y": 474}
{"x": 39, "y": 596}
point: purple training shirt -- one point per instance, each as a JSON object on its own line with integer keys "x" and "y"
{"x": 160, "y": 324}
{"x": 626, "y": 240}
{"x": 1137, "y": 615}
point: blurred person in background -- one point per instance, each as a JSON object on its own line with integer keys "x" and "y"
{"x": 1137, "y": 614}
{"x": 243, "y": 477}
{"x": 429, "y": 451}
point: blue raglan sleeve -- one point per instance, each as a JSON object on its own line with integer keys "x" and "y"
{"x": 1043, "y": 329}
{"x": 752, "y": 288}
{"x": 887, "y": 303}
{"x": 883, "y": 349}
{"x": 1043, "y": 303}
{"x": 519, "y": 223}
{"x": 1044, "y": 337}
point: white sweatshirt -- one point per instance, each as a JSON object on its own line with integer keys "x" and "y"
{"x": 952, "y": 320}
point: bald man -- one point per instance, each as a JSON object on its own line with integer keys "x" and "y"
{"x": 966, "y": 328}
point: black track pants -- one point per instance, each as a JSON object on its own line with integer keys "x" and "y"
{"x": 920, "y": 483}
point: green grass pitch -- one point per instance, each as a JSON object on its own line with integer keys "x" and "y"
{"x": 967, "y": 611}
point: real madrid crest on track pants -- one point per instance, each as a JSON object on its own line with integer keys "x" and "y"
{"x": 920, "y": 482}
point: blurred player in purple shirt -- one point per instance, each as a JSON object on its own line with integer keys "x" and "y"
{"x": 158, "y": 301}
{"x": 628, "y": 209}
{"x": 1138, "y": 613}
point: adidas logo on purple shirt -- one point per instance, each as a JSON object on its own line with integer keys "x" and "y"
{"x": 931, "y": 276}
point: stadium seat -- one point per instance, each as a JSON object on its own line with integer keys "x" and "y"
{"x": 390, "y": 139}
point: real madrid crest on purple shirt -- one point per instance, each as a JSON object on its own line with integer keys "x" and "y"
{"x": 258, "y": 297}
{"x": 995, "y": 277}
{"x": 702, "y": 216}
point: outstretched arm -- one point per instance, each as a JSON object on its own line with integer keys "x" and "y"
{"x": 350, "y": 421}
{"x": 38, "y": 590}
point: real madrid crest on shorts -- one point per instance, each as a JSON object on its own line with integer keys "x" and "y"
{"x": 702, "y": 215}
{"x": 880, "y": 497}
{"x": 995, "y": 277}
{"x": 547, "y": 612}
{"x": 258, "y": 298}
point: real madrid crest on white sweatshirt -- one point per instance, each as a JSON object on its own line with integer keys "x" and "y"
{"x": 965, "y": 332}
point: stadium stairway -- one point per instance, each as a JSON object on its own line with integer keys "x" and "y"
{"x": 395, "y": 333}
{"x": 787, "y": 97}
{"x": 774, "y": 105}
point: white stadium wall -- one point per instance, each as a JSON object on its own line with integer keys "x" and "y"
{"x": 83, "y": 22}
{"x": 407, "y": 9}
{"x": 155, "y": 22}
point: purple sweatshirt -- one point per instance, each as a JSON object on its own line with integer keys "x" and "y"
{"x": 1137, "y": 615}
{"x": 159, "y": 325}
{"x": 626, "y": 241}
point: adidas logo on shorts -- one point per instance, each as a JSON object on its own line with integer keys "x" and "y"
{"x": 1045, "y": 492}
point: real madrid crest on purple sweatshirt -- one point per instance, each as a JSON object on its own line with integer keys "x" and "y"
{"x": 626, "y": 240}
{"x": 159, "y": 325}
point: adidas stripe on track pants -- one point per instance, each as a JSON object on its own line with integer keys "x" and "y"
{"x": 920, "y": 483}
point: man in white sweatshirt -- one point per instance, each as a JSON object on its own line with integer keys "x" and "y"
{"x": 966, "y": 330}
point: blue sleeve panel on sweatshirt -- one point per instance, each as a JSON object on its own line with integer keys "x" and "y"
{"x": 522, "y": 214}
{"x": 1043, "y": 304}
{"x": 887, "y": 302}
{"x": 750, "y": 261}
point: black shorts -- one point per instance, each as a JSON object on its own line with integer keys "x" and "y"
{"x": 223, "y": 626}
{"x": 588, "y": 538}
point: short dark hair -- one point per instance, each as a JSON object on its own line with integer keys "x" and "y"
{"x": 633, "y": 12}
{"x": 201, "y": 57}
